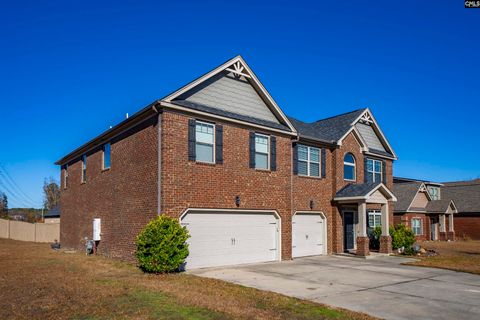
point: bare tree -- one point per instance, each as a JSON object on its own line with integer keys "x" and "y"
{"x": 3, "y": 204}
{"x": 51, "y": 193}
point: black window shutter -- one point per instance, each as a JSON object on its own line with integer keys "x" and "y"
{"x": 252, "y": 149}
{"x": 273, "y": 153}
{"x": 218, "y": 144}
{"x": 324, "y": 162}
{"x": 191, "y": 140}
{"x": 384, "y": 172}
{"x": 295, "y": 158}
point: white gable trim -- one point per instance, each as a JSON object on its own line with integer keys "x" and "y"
{"x": 384, "y": 189}
{"x": 452, "y": 203}
{"x": 368, "y": 116}
{"x": 239, "y": 66}
{"x": 421, "y": 188}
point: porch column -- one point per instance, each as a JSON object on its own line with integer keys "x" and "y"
{"x": 451, "y": 229}
{"x": 385, "y": 239}
{"x": 443, "y": 227}
{"x": 363, "y": 242}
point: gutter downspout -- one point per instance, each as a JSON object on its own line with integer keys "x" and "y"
{"x": 159, "y": 160}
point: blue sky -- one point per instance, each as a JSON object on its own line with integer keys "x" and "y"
{"x": 70, "y": 69}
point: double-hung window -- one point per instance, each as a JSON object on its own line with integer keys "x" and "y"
{"x": 434, "y": 193}
{"x": 262, "y": 151}
{"x": 374, "y": 170}
{"x": 205, "y": 142}
{"x": 417, "y": 226}
{"x": 84, "y": 168}
{"x": 374, "y": 220}
{"x": 308, "y": 161}
{"x": 106, "y": 156}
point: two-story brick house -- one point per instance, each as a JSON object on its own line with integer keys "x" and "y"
{"x": 248, "y": 182}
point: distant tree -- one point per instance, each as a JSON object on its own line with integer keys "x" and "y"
{"x": 3, "y": 205}
{"x": 51, "y": 193}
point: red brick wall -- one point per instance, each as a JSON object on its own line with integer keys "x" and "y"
{"x": 407, "y": 220}
{"x": 124, "y": 197}
{"x": 467, "y": 225}
{"x": 186, "y": 184}
{"x": 319, "y": 190}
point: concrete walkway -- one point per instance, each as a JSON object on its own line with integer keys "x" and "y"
{"x": 380, "y": 287}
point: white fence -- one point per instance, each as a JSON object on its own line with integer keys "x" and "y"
{"x": 34, "y": 232}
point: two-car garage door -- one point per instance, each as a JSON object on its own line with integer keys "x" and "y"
{"x": 226, "y": 238}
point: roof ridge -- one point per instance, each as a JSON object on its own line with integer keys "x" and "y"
{"x": 339, "y": 115}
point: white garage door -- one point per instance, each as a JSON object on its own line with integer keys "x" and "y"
{"x": 308, "y": 235}
{"x": 219, "y": 239}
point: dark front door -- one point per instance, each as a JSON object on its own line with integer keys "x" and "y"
{"x": 348, "y": 231}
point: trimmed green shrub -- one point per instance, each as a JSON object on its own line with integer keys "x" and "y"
{"x": 402, "y": 236}
{"x": 375, "y": 238}
{"x": 162, "y": 245}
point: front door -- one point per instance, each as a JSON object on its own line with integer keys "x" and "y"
{"x": 348, "y": 231}
{"x": 433, "y": 228}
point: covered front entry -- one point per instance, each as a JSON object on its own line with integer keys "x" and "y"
{"x": 357, "y": 196}
{"x": 308, "y": 234}
{"x": 220, "y": 238}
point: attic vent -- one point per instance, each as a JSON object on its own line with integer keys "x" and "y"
{"x": 238, "y": 70}
{"x": 366, "y": 119}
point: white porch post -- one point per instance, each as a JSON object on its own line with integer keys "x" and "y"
{"x": 362, "y": 216}
{"x": 385, "y": 220}
{"x": 442, "y": 223}
{"x": 450, "y": 222}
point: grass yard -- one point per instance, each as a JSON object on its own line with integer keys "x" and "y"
{"x": 458, "y": 255}
{"x": 39, "y": 283}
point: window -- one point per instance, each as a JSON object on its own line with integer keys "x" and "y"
{"x": 308, "y": 161}
{"x": 262, "y": 153}
{"x": 349, "y": 167}
{"x": 417, "y": 226}
{"x": 65, "y": 177}
{"x": 374, "y": 220}
{"x": 84, "y": 168}
{"x": 374, "y": 170}
{"x": 204, "y": 142}
{"x": 434, "y": 192}
{"x": 106, "y": 156}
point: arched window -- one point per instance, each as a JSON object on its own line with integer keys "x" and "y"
{"x": 349, "y": 167}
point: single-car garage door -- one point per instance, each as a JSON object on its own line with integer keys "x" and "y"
{"x": 225, "y": 238}
{"x": 308, "y": 234}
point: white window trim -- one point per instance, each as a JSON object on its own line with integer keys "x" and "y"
{"x": 354, "y": 165}
{"x": 103, "y": 157}
{"x": 268, "y": 151}
{"x": 311, "y": 161}
{"x": 374, "y": 172}
{"x": 213, "y": 144}
{"x": 375, "y": 213}
{"x": 436, "y": 195}
{"x": 421, "y": 226}
{"x": 84, "y": 168}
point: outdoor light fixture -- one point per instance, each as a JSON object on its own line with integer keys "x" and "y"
{"x": 312, "y": 204}
{"x": 237, "y": 201}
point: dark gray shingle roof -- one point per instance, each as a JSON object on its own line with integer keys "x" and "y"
{"x": 53, "y": 213}
{"x": 405, "y": 192}
{"x": 356, "y": 190}
{"x": 465, "y": 194}
{"x": 223, "y": 113}
{"x": 327, "y": 130}
{"x": 438, "y": 206}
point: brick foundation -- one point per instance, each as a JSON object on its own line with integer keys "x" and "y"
{"x": 363, "y": 244}
{"x": 450, "y": 235}
{"x": 385, "y": 244}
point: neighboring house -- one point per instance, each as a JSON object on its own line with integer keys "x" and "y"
{"x": 425, "y": 208}
{"x": 249, "y": 183}
{"x": 466, "y": 195}
{"x": 52, "y": 215}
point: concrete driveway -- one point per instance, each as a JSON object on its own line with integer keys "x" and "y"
{"x": 380, "y": 287}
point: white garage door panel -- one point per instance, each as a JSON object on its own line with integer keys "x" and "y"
{"x": 308, "y": 233}
{"x": 218, "y": 239}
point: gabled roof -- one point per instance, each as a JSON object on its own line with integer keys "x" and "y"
{"x": 405, "y": 193}
{"x": 53, "y": 213}
{"x": 335, "y": 129}
{"x": 439, "y": 206}
{"x": 239, "y": 69}
{"x": 362, "y": 191}
{"x": 466, "y": 195}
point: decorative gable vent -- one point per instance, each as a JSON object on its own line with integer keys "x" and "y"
{"x": 238, "y": 70}
{"x": 366, "y": 118}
